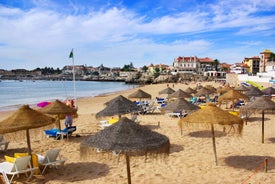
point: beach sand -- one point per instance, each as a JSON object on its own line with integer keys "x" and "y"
{"x": 191, "y": 159}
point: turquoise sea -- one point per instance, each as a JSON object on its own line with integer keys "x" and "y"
{"x": 13, "y": 94}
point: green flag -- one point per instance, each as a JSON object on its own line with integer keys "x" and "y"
{"x": 71, "y": 54}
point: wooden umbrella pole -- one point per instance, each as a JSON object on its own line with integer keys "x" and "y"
{"x": 262, "y": 126}
{"x": 246, "y": 118}
{"x": 29, "y": 145}
{"x": 28, "y": 141}
{"x": 58, "y": 121}
{"x": 214, "y": 144}
{"x": 128, "y": 168}
{"x": 181, "y": 124}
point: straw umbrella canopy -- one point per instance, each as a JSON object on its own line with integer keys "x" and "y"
{"x": 120, "y": 97}
{"x": 269, "y": 91}
{"x": 223, "y": 89}
{"x": 25, "y": 118}
{"x": 203, "y": 92}
{"x": 58, "y": 108}
{"x": 199, "y": 87}
{"x": 261, "y": 103}
{"x": 167, "y": 90}
{"x": 232, "y": 95}
{"x": 190, "y": 90}
{"x": 179, "y": 105}
{"x": 128, "y": 138}
{"x": 211, "y": 88}
{"x": 254, "y": 92}
{"x": 179, "y": 94}
{"x": 140, "y": 94}
{"x": 241, "y": 88}
{"x": 214, "y": 115}
{"x": 118, "y": 106}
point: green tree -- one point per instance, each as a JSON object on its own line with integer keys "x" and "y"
{"x": 58, "y": 71}
{"x": 216, "y": 64}
{"x": 272, "y": 57}
{"x": 131, "y": 66}
{"x": 145, "y": 68}
{"x": 126, "y": 68}
{"x": 157, "y": 72}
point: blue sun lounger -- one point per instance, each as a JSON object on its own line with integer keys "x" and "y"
{"x": 56, "y": 133}
{"x": 51, "y": 132}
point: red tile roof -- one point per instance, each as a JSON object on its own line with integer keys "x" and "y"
{"x": 206, "y": 60}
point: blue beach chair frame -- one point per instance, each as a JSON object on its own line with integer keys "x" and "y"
{"x": 55, "y": 132}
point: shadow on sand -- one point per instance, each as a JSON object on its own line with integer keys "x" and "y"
{"x": 272, "y": 139}
{"x": 256, "y": 119}
{"x": 152, "y": 127}
{"x": 206, "y": 134}
{"x": 175, "y": 148}
{"x": 249, "y": 162}
{"x": 79, "y": 171}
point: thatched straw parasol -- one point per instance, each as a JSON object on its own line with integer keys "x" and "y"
{"x": 190, "y": 90}
{"x": 211, "y": 88}
{"x": 167, "y": 90}
{"x": 199, "y": 87}
{"x": 223, "y": 89}
{"x": 232, "y": 95}
{"x": 179, "y": 94}
{"x": 25, "y": 118}
{"x": 140, "y": 94}
{"x": 241, "y": 88}
{"x": 203, "y": 92}
{"x": 118, "y": 106}
{"x": 253, "y": 91}
{"x": 269, "y": 91}
{"x": 58, "y": 108}
{"x": 261, "y": 103}
{"x": 213, "y": 115}
{"x": 179, "y": 105}
{"x": 126, "y": 137}
{"x": 120, "y": 97}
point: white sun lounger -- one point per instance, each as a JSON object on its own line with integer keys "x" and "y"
{"x": 20, "y": 165}
{"x": 52, "y": 158}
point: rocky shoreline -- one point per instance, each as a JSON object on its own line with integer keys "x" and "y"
{"x": 133, "y": 79}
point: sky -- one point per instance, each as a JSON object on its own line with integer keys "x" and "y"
{"x": 42, "y": 33}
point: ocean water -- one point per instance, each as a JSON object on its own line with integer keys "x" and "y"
{"x": 13, "y": 94}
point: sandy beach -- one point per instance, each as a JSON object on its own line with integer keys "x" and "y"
{"x": 191, "y": 158}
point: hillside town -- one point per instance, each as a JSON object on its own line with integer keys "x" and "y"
{"x": 183, "y": 68}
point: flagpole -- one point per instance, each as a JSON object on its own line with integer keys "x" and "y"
{"x": 74, "y": 78}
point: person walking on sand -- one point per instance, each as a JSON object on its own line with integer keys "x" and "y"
{"x": 68, "y": 120}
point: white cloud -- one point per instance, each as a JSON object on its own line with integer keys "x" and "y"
{"x": 116, "y": 36}
{"x": 181, "y": 23}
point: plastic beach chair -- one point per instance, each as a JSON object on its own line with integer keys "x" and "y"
{"x": 52, "y": 158}
{"x": 60, "y": 134}
{"x": 51, "y": 132}
{"x": 19, "y": 166}
{"x": 66, "y": 132}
